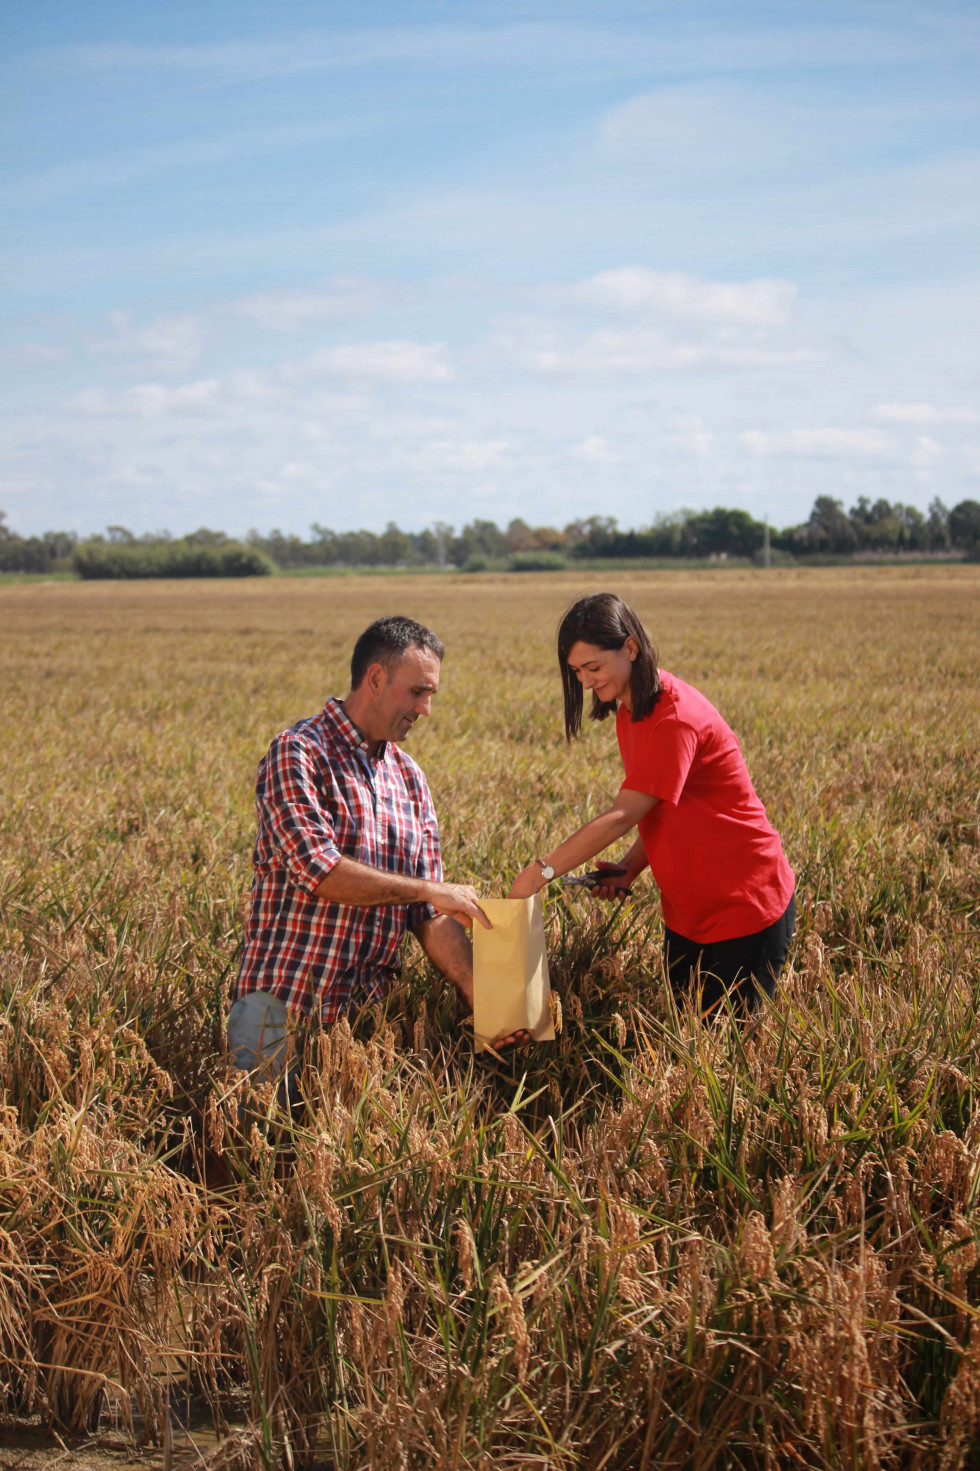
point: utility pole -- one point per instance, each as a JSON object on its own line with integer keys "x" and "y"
{"x": 442, "y": 529}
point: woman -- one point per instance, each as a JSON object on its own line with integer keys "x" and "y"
{"x": 726, "y": 888}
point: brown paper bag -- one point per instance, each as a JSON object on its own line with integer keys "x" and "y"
{"x": 511, "y": 991}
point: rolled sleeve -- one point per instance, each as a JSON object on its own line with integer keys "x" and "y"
{"x": 661, "y": 762}
{"x": 289, "y": 803}
{"x": 429, "y": 864}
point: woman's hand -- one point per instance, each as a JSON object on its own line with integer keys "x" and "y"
{"x": 528, "y": 882}
{"x": 617, "y": 887}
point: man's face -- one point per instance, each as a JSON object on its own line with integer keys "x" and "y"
{"x": 404, "y": 694}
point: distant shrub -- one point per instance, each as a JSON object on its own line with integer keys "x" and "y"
{"x": 476, "y": 563}
{"x": 538, "y": 562}
{"x": 182, "y": 558}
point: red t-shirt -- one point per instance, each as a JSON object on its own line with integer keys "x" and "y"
{"x": 716, "y": 858}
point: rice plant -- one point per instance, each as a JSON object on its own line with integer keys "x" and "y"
{"x": 651, "y": 1244}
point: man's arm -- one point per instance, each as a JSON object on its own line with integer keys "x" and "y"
{"x": 444, "y": 942}
{"x": 446, "y": 945}
{"x": 357, "y": 884}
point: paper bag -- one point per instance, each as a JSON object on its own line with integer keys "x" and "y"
{"x": 511, "y": 991}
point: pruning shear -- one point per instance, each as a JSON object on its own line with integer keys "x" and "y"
{"x": 593, "y": 878}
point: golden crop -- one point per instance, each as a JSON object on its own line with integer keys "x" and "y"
{"x": 653, "y": 1244}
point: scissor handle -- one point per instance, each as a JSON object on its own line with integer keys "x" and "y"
{"x": 596, "y": 876}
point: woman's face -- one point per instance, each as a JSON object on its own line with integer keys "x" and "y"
{"x": 604, "y": 671}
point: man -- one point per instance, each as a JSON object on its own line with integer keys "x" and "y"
{"x": 347, "y": 856}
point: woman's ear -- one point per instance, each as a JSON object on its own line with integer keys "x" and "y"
{"x": 632, "y": 647}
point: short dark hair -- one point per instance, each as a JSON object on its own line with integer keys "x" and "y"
{"x": 604, "y": 620}
{"x": 387, "y": 641}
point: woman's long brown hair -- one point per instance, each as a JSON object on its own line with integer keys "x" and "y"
{"x": 604, "y": 620}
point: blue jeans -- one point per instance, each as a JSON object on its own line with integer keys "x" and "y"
{"x": 259, "y": 1043}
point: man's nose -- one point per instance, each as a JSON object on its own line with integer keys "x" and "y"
{"x": 424, "y": 705}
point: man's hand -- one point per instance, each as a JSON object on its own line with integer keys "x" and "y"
{"x": 460, "y": 901}
{"x": 350, "y": 882}
{"x": 515, "y": 1039}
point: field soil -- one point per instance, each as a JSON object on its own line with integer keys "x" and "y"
{"x": 649, "y": 1244}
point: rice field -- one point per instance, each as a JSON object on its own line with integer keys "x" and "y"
{"x": 649, "y": 1244}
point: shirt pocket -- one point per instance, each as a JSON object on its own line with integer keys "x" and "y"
{"x": 342, "y": 815}
{"x": 399, "y": 836}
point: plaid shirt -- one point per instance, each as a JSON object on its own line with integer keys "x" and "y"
{"x": 320, "y": 797}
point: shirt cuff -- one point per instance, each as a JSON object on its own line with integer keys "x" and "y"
{"x": 307, "y": 869}
{"x": 643, "y": 784}
{"x": 420, "y": 914}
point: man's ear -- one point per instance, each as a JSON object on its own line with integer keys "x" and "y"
{"x": 376, "y": 678}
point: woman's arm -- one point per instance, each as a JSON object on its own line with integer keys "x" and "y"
{"x": 625, "y": 812}
{"x": 633, "y": 863}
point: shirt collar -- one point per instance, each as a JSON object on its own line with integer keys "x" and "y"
{"x": 340, "y": 722}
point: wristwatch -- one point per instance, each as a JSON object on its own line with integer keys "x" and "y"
{"x": 547, "y": 870}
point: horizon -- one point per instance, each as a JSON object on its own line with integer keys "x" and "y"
{"x": 271, "y": 268}
{"x": 662, "y": 520}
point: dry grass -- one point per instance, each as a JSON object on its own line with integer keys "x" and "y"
{"x": 651, "y": 1245}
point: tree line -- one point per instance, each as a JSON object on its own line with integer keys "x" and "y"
{"x": 878, "y": 527}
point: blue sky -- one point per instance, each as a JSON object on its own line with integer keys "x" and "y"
{"x": 265, "y": 266}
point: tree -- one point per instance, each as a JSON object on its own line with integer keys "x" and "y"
{"x": 204, "y": 537}
{"x": 519, "y": 536}
{"x": 592, "y": 536}
{"x": 830, "y": 527}
{"x": 721, "y": 532}
{"x": 394, "y": 546}
{"x": 479, "y": 539}
{"x": 964, "y": 526}
{"x": 325, "y": 542}
{"x": 937, "y": 526}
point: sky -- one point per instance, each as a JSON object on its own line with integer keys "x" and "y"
{"x": 264, "y": 266}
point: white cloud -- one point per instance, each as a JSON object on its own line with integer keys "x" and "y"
{"x": 595, "y": 450}
{"x": 465, "y": 455}
{"x": 166, "y": 345}
{"x": 922, "y": 413}
{"x": 240, "y": 393}
{"x": 764, "y": 302}
{"x": 150, "y": 400}
{"x": 609, "y": 354}
{"x": 33, "y": 352}
{"x": 927, "y": 451}
{"x": 826, "y": 443}
{"x": 379, "y": 362}
{"x": 289, "y": 311}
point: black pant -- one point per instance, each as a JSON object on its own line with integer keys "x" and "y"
{"x": 742, "y": 968}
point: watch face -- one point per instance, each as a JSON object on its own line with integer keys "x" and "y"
{"x": 547, "y": 871}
